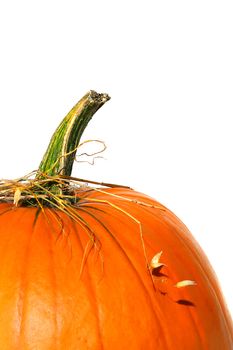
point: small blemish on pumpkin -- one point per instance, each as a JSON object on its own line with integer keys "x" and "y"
{"x": 185, "y": 302}
{"x": 157, "y": 272}
{"x": 185, "y": 283}
{"x": 155, "y": 261}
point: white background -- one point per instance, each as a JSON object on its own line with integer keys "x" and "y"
{"x": 168, "y": 68}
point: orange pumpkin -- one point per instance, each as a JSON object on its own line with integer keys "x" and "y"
{"x": 100, "y": 268}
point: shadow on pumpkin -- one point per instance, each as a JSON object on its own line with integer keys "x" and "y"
{"x": 157, "y": 272}
{"x": 185, "y": 302}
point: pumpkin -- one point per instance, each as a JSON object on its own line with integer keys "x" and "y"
{"x": 100, "y": 266}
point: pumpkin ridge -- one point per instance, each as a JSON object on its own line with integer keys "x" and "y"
{"x": 156, "y": 311}
{"x": 53, "y": 281}
{"x": 22, "y": 302}
{"x": 213, "y": 286}
{"x": 92, "y": 300}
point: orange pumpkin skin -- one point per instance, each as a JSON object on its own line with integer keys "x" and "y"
{"x": 61, "y": 290}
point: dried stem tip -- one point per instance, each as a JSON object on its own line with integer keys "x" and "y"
{"x": 98, "y": 98}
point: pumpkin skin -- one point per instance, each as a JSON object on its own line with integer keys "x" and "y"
{"x": 58, "y": 290}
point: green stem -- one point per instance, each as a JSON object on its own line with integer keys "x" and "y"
{"x": 60, "y": 154}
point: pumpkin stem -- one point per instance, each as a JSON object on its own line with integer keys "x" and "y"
{"x": 60, "y": 154}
